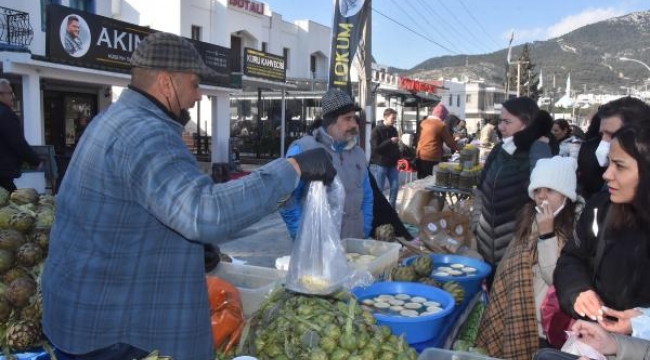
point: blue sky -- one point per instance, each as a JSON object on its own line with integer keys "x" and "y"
{"x": 455, "y": 27}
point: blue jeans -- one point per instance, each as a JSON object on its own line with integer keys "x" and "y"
{"x": 118, "y": 351}
{"x": 381, "y": 173}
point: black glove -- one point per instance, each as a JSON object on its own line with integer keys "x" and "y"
{"x": 316, "y": 165}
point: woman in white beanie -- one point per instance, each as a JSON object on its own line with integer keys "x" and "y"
{"x": 511, "y": 326}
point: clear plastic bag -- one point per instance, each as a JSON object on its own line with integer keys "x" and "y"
{"x": 318, "y": 265}
{"x": 575, "y": 346}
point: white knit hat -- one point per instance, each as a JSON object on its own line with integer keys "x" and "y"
{"x": 557, "y": 173}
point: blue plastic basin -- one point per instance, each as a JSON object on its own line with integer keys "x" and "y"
{"x": 414, "y": 329}
{"x": 471, "y": 284}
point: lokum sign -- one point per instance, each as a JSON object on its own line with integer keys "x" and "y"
{"x": 264, "y": 65}
{"x": 88, "y": 40}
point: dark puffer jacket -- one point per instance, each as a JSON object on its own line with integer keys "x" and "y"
{"x": 619, "y": 277}
{"x": 504, "y": 191}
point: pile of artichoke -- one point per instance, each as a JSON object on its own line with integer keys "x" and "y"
{"x": 295, "y": 326}
{"x": 25, "y": 221}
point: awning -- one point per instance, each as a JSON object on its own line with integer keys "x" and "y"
{"x": 411, "y": 99}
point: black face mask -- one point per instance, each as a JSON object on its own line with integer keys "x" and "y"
{"x": 184, "y": 117}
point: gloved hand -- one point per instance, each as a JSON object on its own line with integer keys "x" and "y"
{"x": 316, "y": 165}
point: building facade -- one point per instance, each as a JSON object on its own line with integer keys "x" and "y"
{"x": 57, "y": 94}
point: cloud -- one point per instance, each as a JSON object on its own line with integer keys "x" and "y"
{"x": 566, "y": 24}
{"x": 586, "y": 17}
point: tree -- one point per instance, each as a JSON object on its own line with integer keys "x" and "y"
{"x": 529, "y": 78}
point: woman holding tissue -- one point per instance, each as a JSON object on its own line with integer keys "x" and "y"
{"x": 511, "y": 326}
{"x": 606, "y": 265}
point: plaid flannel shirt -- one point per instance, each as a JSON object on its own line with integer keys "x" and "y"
{"x": 125, "y": 262}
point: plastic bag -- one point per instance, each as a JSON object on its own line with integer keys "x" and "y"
{"x": 318, "y": 265}
{"x": 574, "y": 346}
{"x": 226, "y": 314}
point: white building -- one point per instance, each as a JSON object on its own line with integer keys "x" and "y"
{"x": 58, "y": 93}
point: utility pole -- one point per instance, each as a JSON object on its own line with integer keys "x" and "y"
{"x": 366, "y": 98}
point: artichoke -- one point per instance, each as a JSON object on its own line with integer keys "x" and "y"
{"x": 44, "y": 219}
{"x": 11, "y": 239}
{"x": 29, "y": 254}
{"x": 20, "y": 291}
{"x": 24, "y": 196}
{"x": 403, "y": 273}
{"x": 6, "y": 213}
{"x": 15, "y": 273}
{"x": 23, "y": 335}
{"x": 423, "y": 265}
{"x": 6, "y": 260}
{"x": 21, "y": 221}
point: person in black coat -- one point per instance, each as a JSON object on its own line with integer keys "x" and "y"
{"x": 384, "y": 142}
{"x": 590, "y": 173}
{"x": 606, "y": 262}
{"x": 14, "y": 149}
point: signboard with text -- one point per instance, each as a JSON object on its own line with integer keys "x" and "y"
{"x": 88, "y": 40}
{"x": 263, "y": 65}
{"x": 416, "y": 85}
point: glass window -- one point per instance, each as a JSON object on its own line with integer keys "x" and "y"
{"x": 264, "y": 46}
{"x": 468, "y": 98}
{"x": 44, "y": 4}
{"x": 458, "y": 100}
{"x": 83, "y": 5}
{"x": 196, "y": 32}
{"x": 451, "y": 100}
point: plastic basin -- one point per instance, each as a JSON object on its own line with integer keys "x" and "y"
{"x": 415, "y": 329}
{"x": 471, "y": 283}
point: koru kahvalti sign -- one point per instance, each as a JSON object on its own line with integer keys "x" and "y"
{"x": 97, "y": 42}
{"x": 263, "y": 65}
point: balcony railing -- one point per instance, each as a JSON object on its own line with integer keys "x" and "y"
{"x": 15, "y": 28}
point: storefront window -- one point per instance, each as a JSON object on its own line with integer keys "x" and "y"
{"x": 44, "y": 4}
{"x": 83, "y": 5}
{"x": 79, "y": 110}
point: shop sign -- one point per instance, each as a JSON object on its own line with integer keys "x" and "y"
{"x": 83, "y": 39}
{"x": 248, "y": 6}
{"x": 349, "y": 22}
{"x": 264, "y": 65}
{"x": 415, "y": 85}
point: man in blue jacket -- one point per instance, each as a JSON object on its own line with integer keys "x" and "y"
{"x": 338, "y": 136}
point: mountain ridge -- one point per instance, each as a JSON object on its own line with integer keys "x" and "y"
{"x": 590, "y": 53}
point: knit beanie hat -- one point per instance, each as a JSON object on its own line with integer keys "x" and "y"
{"x": 440, "y": 111}
{"x": 557, "y": 173}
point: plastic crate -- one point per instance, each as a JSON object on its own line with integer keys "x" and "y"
{"x": 253, "y": 282}
{"x": 440, "y": 354}
{"x": 387, "y": 254}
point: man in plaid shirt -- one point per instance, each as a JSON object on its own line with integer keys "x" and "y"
{"x": 125, "y": 271}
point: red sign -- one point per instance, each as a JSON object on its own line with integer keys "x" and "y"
{"x": 248, "y": 5}
{"x": 415, "y": 85}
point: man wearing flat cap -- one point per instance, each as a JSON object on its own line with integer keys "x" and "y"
{"x": 125, "y": 271}
{"x": 338, "y": 136}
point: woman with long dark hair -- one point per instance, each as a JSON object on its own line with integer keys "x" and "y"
{"x": 606, "y": 263}
{"x": 512, "y": 327}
